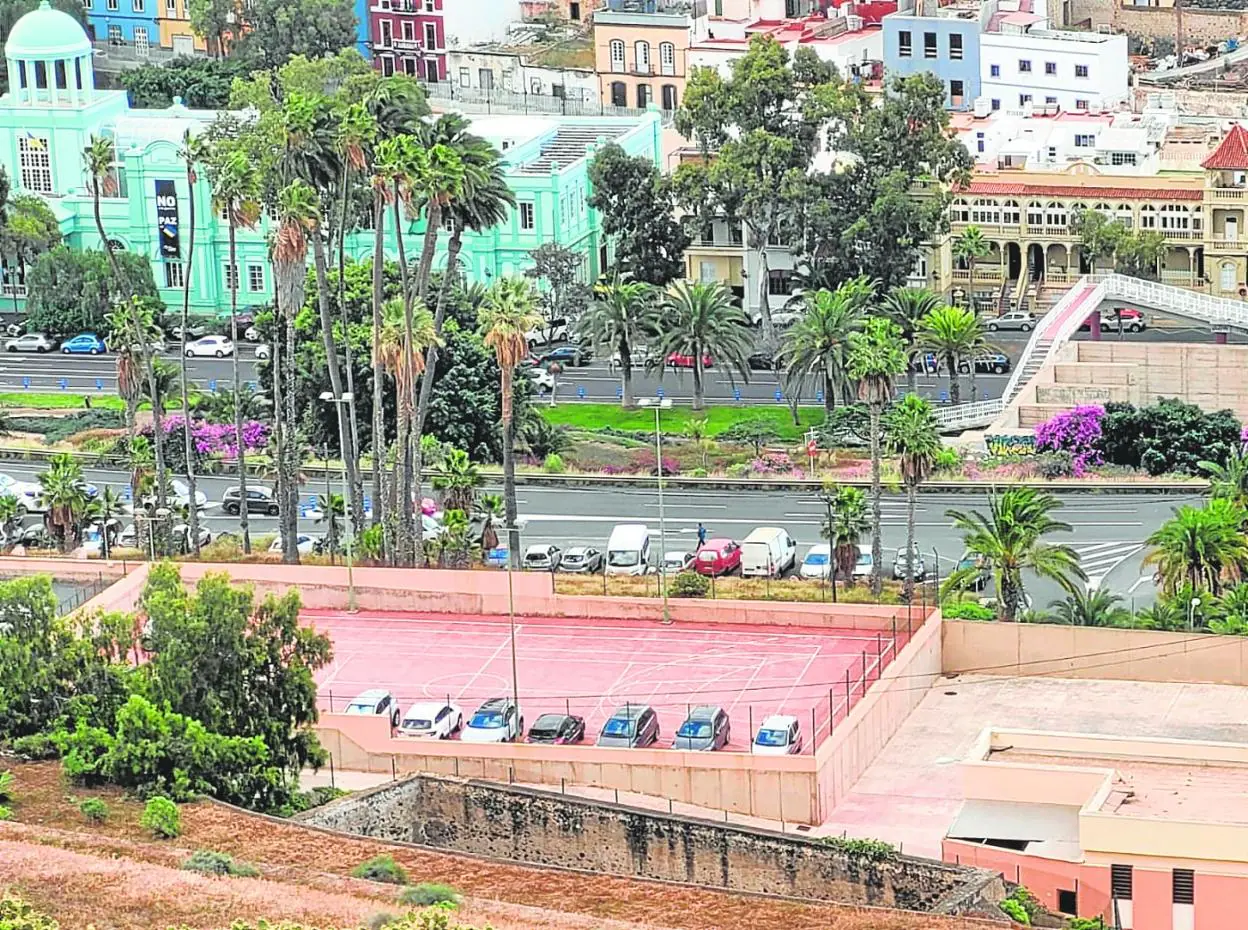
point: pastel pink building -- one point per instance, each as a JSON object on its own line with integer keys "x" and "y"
{"x": 408, "y": 37}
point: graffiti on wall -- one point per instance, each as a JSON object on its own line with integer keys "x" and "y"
{"x": 1012, "y": 444}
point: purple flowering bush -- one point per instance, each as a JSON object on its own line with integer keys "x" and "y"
{"x": 219, "y": 438}
{"x": 772, "y": 463}
{"x": 1077, "y": 432}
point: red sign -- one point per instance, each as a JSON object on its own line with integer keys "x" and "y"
{"x": 811, "y": 447}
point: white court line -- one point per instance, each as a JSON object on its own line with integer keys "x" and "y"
{"x": 801, "y": 675}
{"x": 746, "y": 689}
{"x": 481, "y": 669}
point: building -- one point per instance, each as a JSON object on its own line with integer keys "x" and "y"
{"x": 52, "y": 109}
{"x": 471, "y": 22}
{"x": 498, "y": 68}
{"x": 408, "y": 37}
{"x": 1023, "y": 62}
{"x": 129, "y": 22}
{"x": 641, "y": 50}
{"x": 174, "y": 23}
{"x": 924, "y": 36}
{"x": 573, "y": 11}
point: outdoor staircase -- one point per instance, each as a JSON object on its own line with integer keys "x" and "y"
{"x": 1035, "y": 361}
{"x": 1003, "y": 297}
{"x": 1028, "y": 300}
{"x": 568, "y": 145}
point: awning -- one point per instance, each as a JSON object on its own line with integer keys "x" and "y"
{"x": 1016, "y": 822}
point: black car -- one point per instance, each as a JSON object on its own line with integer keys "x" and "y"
{"x": 576, "y": 356}
{"x": 259, "y": 500}
{"x": 557, "y": 729}
{"x": 763, "y": 361}
{"x": 994, "y": 363}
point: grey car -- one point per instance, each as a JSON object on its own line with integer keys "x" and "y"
{"x": 581, "y": 559}
{"x": 632, "y": 726}
{"x": 706, "y": 728}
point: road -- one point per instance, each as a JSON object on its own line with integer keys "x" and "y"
{"x": 1108, "y": 530}
{"x": 97, "y": 374}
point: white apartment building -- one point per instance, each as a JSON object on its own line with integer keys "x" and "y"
{"x": 1022, "y": 62}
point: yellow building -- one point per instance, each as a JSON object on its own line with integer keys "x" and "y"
{"x": 641, "y": 57}
{"x": 175, "y": 28}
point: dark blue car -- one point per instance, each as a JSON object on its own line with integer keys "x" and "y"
{"x": 567, "y": 355}
{"x": 83, "y": 344}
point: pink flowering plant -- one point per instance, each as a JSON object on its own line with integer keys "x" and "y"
{"x": 219, "y": 438}
{"x": 1077, "y": 432}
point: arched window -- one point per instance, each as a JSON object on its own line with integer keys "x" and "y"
{"x": 1198, "y": 218}
{"x": 1125, "y": 215}
{"x": 1175, "y": 217}
{"x": 1010, "y": 213}
{"x": 1105, "y": 210}
{"x": 959, "y": 211}
{"x": 986, "y": 213}
{"x": 641, "y": 57}
{"x": 1227, "y": 278}
{"x": 617, "y": 54}
{"x": 1055, "y": 214}
{"x": 1148, "y": 216}
{"x": 1035, "y": 214}
{"x": 667, "y": 57}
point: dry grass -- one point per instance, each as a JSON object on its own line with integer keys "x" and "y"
{"x": 730, "y": 588}
{"x": 113, "y": 877}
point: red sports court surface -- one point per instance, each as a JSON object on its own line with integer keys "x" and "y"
{"x": 589, "y": 667}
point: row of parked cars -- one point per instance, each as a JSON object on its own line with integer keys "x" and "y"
{"x": 92, "y": 344}
{"x": 632, "y": 726}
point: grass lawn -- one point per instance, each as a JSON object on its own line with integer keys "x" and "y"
{"x": 30, "y": 400}
{"x": 598, "y": 416}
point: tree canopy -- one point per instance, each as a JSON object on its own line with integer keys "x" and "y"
{"x": 71, "y": 291}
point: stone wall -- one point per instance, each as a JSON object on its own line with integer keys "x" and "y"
{"x": 546, "y": 829}
{"x": 1232, "y": 104}
{"x": 1200, "y": 27}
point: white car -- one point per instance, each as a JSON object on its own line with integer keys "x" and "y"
{"x": 865, "y": 563}
{"x": 818, "y": 562}
{"x": 676, "y": 562}
{"x": 182, "y": 495}
{"x": 778, "y": 735}
{"x": 783, "y": 319}
{"x": 304, "y": 542}
{"x": 252, "y": 334}
{"x": 263, "y": 351}
{"x": 1021, "y": 320}
{"x": 542, "y": 379}
{"x": 182, "y": 537}
{"x": 28, "y": 493}
{"x": 432, "y": 720}
{"x": 31, "y": 342}
{"x": 496, "y": 721}
{"x": 210, "y": 347}
{"x": 542, "y": 557}
{"x": 375, "y": 702}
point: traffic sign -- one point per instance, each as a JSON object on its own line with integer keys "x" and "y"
{"x": 99, "y": 384}
{"x": 819, "y": 396}
{"x": 779, "y": 395}
{"x": 811, "y": 447}
{"x": 26, "y": 382}
{"x": 212, "y": 385}
{"x": 64, "y": 382}
{"x": 736, "y": 394}
{"x": 619, "y": 392}
{"x": 659, "y": 393}
{"x": 580, "y": 391}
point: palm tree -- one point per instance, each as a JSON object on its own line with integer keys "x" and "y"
{"x": 458, "y": 481}
{"x": 1010, "y": 539}
{"x": 849, "y": 524}
{"x": 1097, "y": 607}
{"x": 698, "y": 433}
{"x": 621, "y": 316}
{"x": 11, "y": 514}
{"x": 236, "y": 190}
{"x": 330, "y": 510}
{"x": 121, "y": 340}
{"x": 1229, "y": 479}
{"x": 437, "y": 179}
{"x": 509, "y": 312}
{"x": 876, "y": 358}
{"x": 701, "y": 320}
{"x": 104, "y": 509}
{"x": 99, "y": 157}
{"x": 1200, "y": 546}
{"x": 64, "y": 493}
{"x": 818, "y": 344}
{"x": 193, "y": 152}
{"x": 907, "y": 306}
{"x": 491, "y": 508}
{"x": 953, "y": 334}
{"x": 969, "y": 247}
{"x": 911, "y": 434}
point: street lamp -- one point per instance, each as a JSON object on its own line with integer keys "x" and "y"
{"x": 828, "y": 496}
{"x": 660, "y": 404}
{"x": 349, "y": 544}
{"x": 511, "y": 610}
{"x": 1191, "y": 613}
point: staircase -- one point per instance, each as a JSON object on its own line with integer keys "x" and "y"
{"x": 1003, "y": 297}
{"x": 1034, "y": 362}
{"x": 568, "y": 145}
{"x": 1027, "y": 301}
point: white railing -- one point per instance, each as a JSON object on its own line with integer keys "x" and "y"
{"x": 1222, "y": 311}
{"x": 964, "y": 416}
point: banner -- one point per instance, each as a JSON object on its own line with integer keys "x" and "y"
{"x": 167, "y": 219}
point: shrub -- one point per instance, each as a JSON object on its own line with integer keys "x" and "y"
{"x": 870, "y": 850}
{"x": 94, "y": 809}
{"x": 772, "y": 463}
{"x": 1057, "y": 465}
{"x": 381, "y": 869}
{"x": 428, "y": 893}
{"x": 1170, "y": 436}
{"x": 947, "y": 460}
{"x": 698, "y": 473}
{"x": 738, "y": 470}
{"x": 689, "y": 584}
{"x": 1015, "y": 912}
{"x": 35, "y": 747}
{"x": 968, "y": 610}
{"x": 1078, "y": 432}
{"x": 214, "y": 863}
{"x": 382, "y": 920}
{"x": 1086, "y": 923}
{"x": 1027, "y": 901}
{"x": 160, "y": 815}
{"x": 645, "y": 462}
{"x": 553, "y": 465}
{"x": 16, "y": 914}
{"x": 6, "y": 785}
{"x": 5, "y": 813}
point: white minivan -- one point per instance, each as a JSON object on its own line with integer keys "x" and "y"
{"x": 768, "y": 550}
{"x": 628, "y": 550}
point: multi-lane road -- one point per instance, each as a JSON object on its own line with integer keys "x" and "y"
{"x": 97, "y": 374}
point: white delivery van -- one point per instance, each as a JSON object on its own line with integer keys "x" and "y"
{"x": 628, "y": 550}
{"x": 768, "y": 550}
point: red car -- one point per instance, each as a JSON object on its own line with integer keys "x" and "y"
{"x": 1132, "y": 321}
{"x": 718, "y": 557}
{"x": 681, "y": 360}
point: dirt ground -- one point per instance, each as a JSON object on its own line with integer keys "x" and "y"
{"x": 112, "y": 876}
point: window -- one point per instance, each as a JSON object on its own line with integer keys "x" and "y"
{"x": 255, "y": 278}
{"x": 960, "y": 212}
{"x": 1050, "y": 67}
{"x": 140, "y": 41}
{"x": 387, "y": 33}
{"x": 431, "y": 35}
{"x": 1009, "y": 215}
{"x": 670, "y": 101}
{"x": 956, "y": 91}
{"x": 994, "y": 70}
{"x": 1120, "y": 882}
{"x": 35, "y": 162}
{"x": 1083, "y": 141}
{"x": 985, "y": 213}
{"x": 1035, "y": 214}
{"x": 903, "y": 44}
{"x": 231, "y": 276}
{"x": 1055, "y": 214}
{"x": 1024, "y": 66}
{"x": 1081, "y": 71}
{"x": 1148, "y": 217}
{"x": 1183, "y": 885}
{"x": 617, "y": 54}
{"x": 667, "y": 57}
{"x": 929, "y": 45}
{"x": 644, "y": 96}
{"x": 137, "y": 5}
{"x": 465, "y": 77}
{"x": 979, "y": 143}
{"x": 1050, "y": 101}
{"x": 996, "y": 103}
{"x": 430, "y": 6}
{"x": 641, "y": 57}
{"x": 955, "y": 45}
{"x": 528, "y": 219}
{"x": 1024, "y": 99}
{"x": 86, "y": 4}
{"x": 409, "y": 30}
{"x": 171, "y": 7}
{"x": 1067, "y": 901}
{"x": 707, "y": 272}
{"x": 114, "y": 36}
{"x": 1226, "y": 279}
{"x": 1052, "y": 152}
{"x": 619, "y": 94}
{"x": 779, "y": 282}
{"x": 112, "y": 5}
{"x": 175, "y": 275}
{"x": 1122, "y": 158}
{"x": 387, "y": 65}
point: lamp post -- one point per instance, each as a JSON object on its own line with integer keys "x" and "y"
{"x": 511, "y": 614}
{"x": 349, "y": 543}
{"x": 660, "y": 404}
{"x": 828, "y": 496}
{"x": 1191, "y": 613}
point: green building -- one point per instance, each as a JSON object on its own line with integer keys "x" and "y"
{"x": 52, "y": 109}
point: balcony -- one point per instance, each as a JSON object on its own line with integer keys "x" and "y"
{"x": 1182, "y": 279}
{"x": 13, "y": 290}
{"x": 984, "y": 274}
{"x": 716, "y": 245}
{"x": 1226, "y": 194}
{"x": 1219, "y": 244}
{"x": 1184, "y": 235}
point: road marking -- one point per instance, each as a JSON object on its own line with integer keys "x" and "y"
{"x": 1140, "y": 581}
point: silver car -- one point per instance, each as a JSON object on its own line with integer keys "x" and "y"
{"x": 705, "y": 729}
{"x": 31, "y": 342}
{"x": 632, "y": 726}
{"x": 1015, "y": 319}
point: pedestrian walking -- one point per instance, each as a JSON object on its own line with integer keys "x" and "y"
{"x": 701, "y": 535}
{"x": 611, "y": 360}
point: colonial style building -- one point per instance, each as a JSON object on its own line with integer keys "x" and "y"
{"x": 408, "y": 37}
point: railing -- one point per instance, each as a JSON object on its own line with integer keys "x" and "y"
{"x": 13, "y": 290}
{"x": 1227, "y": 193}
{"x": 989, "y": 274}
{"x": 580, "y": 102}
{"x": 964, "y": 416}
{"x": 1231, "y": 245}
{"x": 1179, "y": 301}
{"x": 1181, "y": 278}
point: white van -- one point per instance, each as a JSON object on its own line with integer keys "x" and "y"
{"x": 768, "y": 550}
{"x": 865, "y": 564}
{"x": 628, "y": 550}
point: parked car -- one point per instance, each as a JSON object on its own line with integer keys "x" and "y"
{"x": 550, "y": 331}
{"x": 263, "y": 351}
{"x": 129, "y": 538}
{"x": 542, "y": 379}
{"x": 818, "y": 562}
{"x": 182, "y": 494}
{"x": 93, "y": 536}
{"x": 306, "y": 543}
{"x": 718, "y": 557}
{"x": 497, "y": 557}
{"x": 31, "y": 342}
{"x": 767, "y": 551}
{"x": 542, "y": 557}
{"x": 994, "y": 363}
{"x": 252, "y": 333}
{"x": 28, "y": 493}
{"x": 866, "y": 561}
{"x": 638, "y": 356}
{"x": 1133, "y": 321}
{"x": 375, "y": 702}
{"x": 778, "y": 735}
{"x": 576, "y": 356}
{"x": 181, "y": 534}
{"x": 37, "y": 537}
{"x": 1020, "y": 320}
{"x": 632, "y": 726}
{"x": 763, "y": 361}
{"x": 498, "y": 720}
{"x": 557, "y": 729}
{"x": 783, "y": 319}
{"x": 978, "y": 574}
{"x": 432, "y": 720}
{"x": 581, "y": 559}
{"x": 259, "y": 500}
{"x": 676, "y": 562}
{"x": 628, "y": 549}
{"x": 925, "y": 363}
{"x": 193, "y": 330}
{"x": 210, "y": 347}
{"x": 706, "y": 728}
{"x": 910, "y": 563}
{"x": 685, "y": 360}
{"x": 83, "y": 344}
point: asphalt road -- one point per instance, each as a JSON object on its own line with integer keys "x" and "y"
{"x": 97, "y": 374}
{"x": 1108, "y": 530}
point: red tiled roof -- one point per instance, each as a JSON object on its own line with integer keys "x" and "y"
{"x": 1084, "y": 192}
{"x": 1232, "y": 152}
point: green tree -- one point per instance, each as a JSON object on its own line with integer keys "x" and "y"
{"x": 1202, "y": 547}
{"x": 99, "y": 159}
{"x": 817, "y": 345}
{"x": 215, "y": 20}
{"x": 331, "y": 510}
{"x": 28, "y": 230}
{"x": 459, "y": 479}
{"x": 637, "y": 208}
{"x": 122, "y": 338}
{"x": 907, "y": 307}
{"x": 11, "y": 514}
{"x": 953, "y": 334}
{"x": 1229, "y": 479}
{"x": 757, "y": 429}
{"x": 565, "y": 295}
{"x": 106, "y": 507}
{"x": 64, "y": 493}
{"x": 201, "y": 83}
{"x": 876, "y": 358}
{"x": 911, "y": 434}
{"x": 71, "y": 292}
{"x": 1011, "y": 539}
{"x": 849, "y": 525}
{"x": 621, "y": 317}
{"x": 1097, "y": 607}
{"x": 969, "y": 247}
{"x": 191, "y": 154}
{"x": 276, "y": 32}
{"x": 1168, "y": 436}
{"x": 701, "y": 319}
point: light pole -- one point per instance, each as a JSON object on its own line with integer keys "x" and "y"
{"x": 349, "y": 543}
{"x": 511, "y": 614}
{"x": 828, "y": 496}
{"x": 660, "y": 404}
{"x": 1191, "y": 613}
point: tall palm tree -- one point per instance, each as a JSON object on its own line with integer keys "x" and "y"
{"x": 192, "y": 153}
{"x": 619, "y": 318}
{"x": 954, "y": 334}
{"x": 702, "y": 320}
{"x": 1097, "y": 607}
{"x": 849, "y": 524}
{"x": 509, "y": 312}
{"x": 876, "y": 358}
{"x": 382, "y": 185}
{"x": 236, "y": 191}
{"x": 64, "y": 493}
{"x": 99, "y": 158}
{"x": 911, "y": 434}
{"x": 818, "y": 344}
{"x": 120, "y": 339}
{"x": 907, "y": 306}
{"x": 970, "y": 246}
{"x": 1200, "y": 546}
{"x": 1011, "y": 539}
{"x": 438, "y": 181}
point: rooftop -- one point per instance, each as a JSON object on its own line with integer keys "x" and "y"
{"x": 1232, "y": 151}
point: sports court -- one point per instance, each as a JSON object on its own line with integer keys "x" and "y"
{"x": 589, "y": 668}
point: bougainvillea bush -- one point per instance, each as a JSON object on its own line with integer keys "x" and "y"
{"x": 219, "y": 438}
{"x": 1077, "y": 432}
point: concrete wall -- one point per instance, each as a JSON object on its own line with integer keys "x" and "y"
{"x": 540, "y": 828}
{"x": 1200, "y": 27}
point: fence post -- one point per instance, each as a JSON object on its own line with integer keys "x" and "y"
{"x": 831, "y": 712}
{"x": 331, "y": 771}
